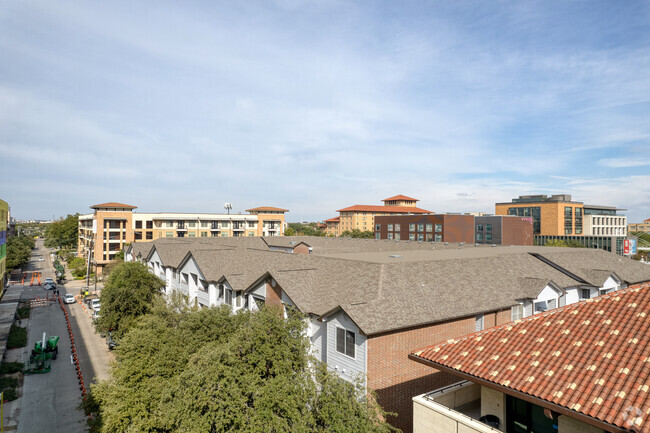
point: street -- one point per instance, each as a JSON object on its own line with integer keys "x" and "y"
{"x": 50, "y": 401}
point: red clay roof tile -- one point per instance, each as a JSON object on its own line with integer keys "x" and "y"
{"x": 592, "y": 357}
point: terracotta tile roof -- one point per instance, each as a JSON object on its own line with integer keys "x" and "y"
{"x": 400, "y": 197}
{"x": 113, "y": 204}
{"x": 333, "y": 220}
{"x": 384, "y": 209}
{"x": 268, "y": 208}
{"x": 592, "y": 357}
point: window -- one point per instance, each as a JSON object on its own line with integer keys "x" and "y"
{"x": 479, "y": 236}
{"x": 540, "y": 306}
{"x": 420, "y": 227}
{"x": 138, "y": 236}
{"x": 204, "y": 234}
{"x": 169, "y": 224}
{"x": 420, "y": 237}
{"x": 438, "y": 238}
{"x": 390, "y": 236}
{"x": 184, "y": 277}
{"x": 517, "y": 312}
{"x": 488, "y": 227}
{"x": 438, "y": 228}
{"x": 488, "y": 237}
{"x": 397, "y": 236}
{"x": 411, "y": 236}
{"x": 345, "y": 342}
{"x": 138, "y": 224}
{"x": 429, "y": 237}
{"x": 169, "y": 234}
{"x": 568, "y": 220}
{"x": 204, "y": 224}
{"x": 578, "y": 221}
{"x": 192, "y": 224}
{"x": 390, "y": 227}
{"x": 429, "y": 227}
{"x": 149, "y": 235}
{"x": 228, "y": 296}
{"x": 585, "y": 294}
{"x": 377, "y": 235}
{"x": 238, "y": 300}
{"x": 250, "y": 234}
{"x": 412, "y": 227}
{"x": 224, "y": 225}
{"x": 479, "y": 227}
{"x": 192, "y": 234}
{"x": 397, "y": 226}
{"x": 377, "y": 227}
{"x": 149, "y": 224}
{"x": 479, "y": 322}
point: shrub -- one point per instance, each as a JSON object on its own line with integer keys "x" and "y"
{"x": 23, "y": 312}
{"x": 8, "y": 382}
{"x": 11, "y": 367}
{"x": 17, "y": 337}
{"x": 9, "y": 394}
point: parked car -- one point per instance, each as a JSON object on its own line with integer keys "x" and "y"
{"x": 69, "y": 298}
{"x": 95, "y": 304}
{"x": 48, "y": 280}
{"x": 41, "y": 259}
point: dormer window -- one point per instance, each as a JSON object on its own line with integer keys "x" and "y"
{"x": 584, "y": 293}
{"x": 541, "y": 306}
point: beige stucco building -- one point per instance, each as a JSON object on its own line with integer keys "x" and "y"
{"x": 105, "y": 232}
{"x": 362, "y": 216}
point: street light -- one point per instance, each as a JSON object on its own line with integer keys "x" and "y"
{"x": 228, "y": 206}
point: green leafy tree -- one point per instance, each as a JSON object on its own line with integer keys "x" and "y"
{"x": 63, "y": 233}
{"x": 210, "y": 370}
{"x": 19, "y": 251}
{"x": 299, "y": 229}
{"x": 356, "y": 233}
{"x": 560, "y": 243}
{"x": 128, "y": 293}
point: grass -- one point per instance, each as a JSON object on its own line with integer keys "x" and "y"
{"x": 23, "y": 312}
{"x": 11, "y": 367}
{"x": 17, "y": 337}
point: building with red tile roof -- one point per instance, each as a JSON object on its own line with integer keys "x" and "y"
{"x": 587, "y": 363}
{"x": 362, "y": 217}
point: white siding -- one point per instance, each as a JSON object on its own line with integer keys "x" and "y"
{"x": 190, "y": 268}
{"x": 611, "y": 284}
{"x": 572, "y": 295}
{"x": 347, "y": 367}
{"x": 528, "y": 308}
{"x": 548, "y": 294}
{"x": 318, "y": 337}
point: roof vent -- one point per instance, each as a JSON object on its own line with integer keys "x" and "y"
{"x": 395, "y": 256}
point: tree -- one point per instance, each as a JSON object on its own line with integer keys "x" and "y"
{"x": 300, "y": 229}
{"x": 211, "y": 370}
{"x": 63, "y": 233}
{"x": 560, "y": 243}
{"x": 128, "y": 294}
{"x": 356, "y": 233}
{"x": 19, "y": 251}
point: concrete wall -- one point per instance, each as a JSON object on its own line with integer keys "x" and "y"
{"x": 432, "y": 417}
{"x": 570, "y": 425}
{"x": 494, "y": 403}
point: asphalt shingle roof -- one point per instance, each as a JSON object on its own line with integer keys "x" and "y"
{"x": 592, "y": 357}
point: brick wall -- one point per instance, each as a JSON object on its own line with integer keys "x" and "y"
{"x": 273, "y": 294}
{"x": 396, "y": 379}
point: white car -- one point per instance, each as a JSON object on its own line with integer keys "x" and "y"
{"x": 68, "y": 298}
{"x": 41, "y": 259}
{"x": 49, "y": 280}
{"x": 95, "y": 304}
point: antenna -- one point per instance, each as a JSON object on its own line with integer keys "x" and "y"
{"x": 228, "y": 206}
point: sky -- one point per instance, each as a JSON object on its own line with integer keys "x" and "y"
{"x": 313, "y": 106}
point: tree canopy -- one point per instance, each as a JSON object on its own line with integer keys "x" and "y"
{"x": 560, "y": 243}
{"x": 214, "y": 371}
{"x": 63, "y": 233}
{"x": 19, "y": 250}
{"x": 128, "y": 293}
{"x": 356, "y": 233}
{"x": 300, "y": 229}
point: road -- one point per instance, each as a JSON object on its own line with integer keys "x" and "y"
{"x": 49, "y": 401}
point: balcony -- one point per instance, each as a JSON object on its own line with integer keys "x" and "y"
{"x": 458, "y": 407}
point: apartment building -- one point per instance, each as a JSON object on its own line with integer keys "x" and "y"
{"x": 362, "y": 216}
{"x": 643, "y": 227}
{"x": 493, "y": 230}
{"x": 369, "y": 303}
{"x": 575, "y": 369}
{"x": 4, "y": 224}
{"x": 111, "y": 226}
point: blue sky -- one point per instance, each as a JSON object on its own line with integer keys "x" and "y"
{"x": 314, "y": 106}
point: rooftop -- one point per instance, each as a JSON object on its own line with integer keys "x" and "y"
{"x": 400, "y": 198}
{"x": 113, "y": 204}
{"x": 383, "y": 209}
{"x": 591, "y": 358}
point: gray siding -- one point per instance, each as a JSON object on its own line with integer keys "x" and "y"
{"x": 347, "y": 367}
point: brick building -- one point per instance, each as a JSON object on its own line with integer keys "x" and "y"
{"x": 369, "y": 303}
{"x": 493, "y": 230}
